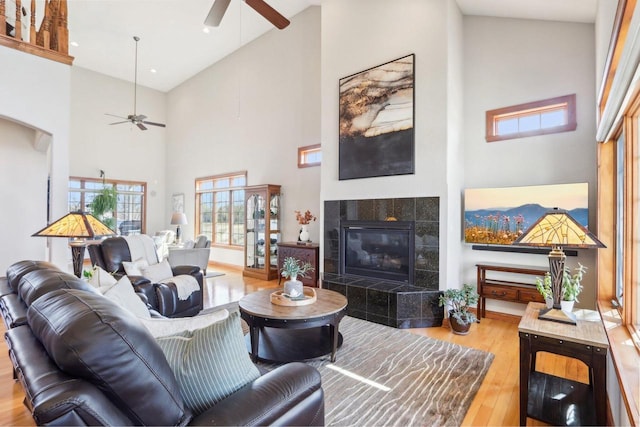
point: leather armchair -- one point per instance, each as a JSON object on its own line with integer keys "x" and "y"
{"x": 110, "y": 254}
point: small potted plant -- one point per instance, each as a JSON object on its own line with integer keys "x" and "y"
{"x": 458, "y": 302}
{"x": 544, "y": 287}
{"x": 571, "y": 286}
{"x": 291, "y": 269}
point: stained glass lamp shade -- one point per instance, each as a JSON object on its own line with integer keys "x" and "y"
{"x": 557, "y": 229}
{"x": 77, "y": 225}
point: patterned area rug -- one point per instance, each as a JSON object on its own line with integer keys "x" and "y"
{"x": 388, "y": 377}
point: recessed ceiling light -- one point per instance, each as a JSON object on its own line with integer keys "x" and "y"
{"x": 153, "y": 70}
{"x": 74, "y": 44}
{"x": 206, "y": 30}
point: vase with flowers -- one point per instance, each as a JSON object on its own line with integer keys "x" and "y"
{"x": 304, "y": 219}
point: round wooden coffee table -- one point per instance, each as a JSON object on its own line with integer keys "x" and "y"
{"x": 285, "y": 334}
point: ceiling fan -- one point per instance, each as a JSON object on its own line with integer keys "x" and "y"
{"x": 136, "y": 119}
{"x": 219, "y": 7}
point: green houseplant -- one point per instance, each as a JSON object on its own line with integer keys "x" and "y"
{"x": 104, "y": 203}
{"x": 458, "y": 302}
{"x": 571, "y": 285}
{"x": 291, "y": 269}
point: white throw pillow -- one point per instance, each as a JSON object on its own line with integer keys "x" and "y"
{"x": 189, "y": 244}
{"x": 122, "y": 293}
{"x": 134, "y": 268}
{"x": 101, "y": 279}
{"x": 157, "y": 272}
{"x": 162, "y": 327}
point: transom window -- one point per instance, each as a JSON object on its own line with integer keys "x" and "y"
{"x": 220, "y": 208}
{"x": 310, "y": 155}
{"x": 129, "y": 215}
{"x": 552, "y": 115}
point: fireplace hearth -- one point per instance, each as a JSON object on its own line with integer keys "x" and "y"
{"x": 383, "y": 255}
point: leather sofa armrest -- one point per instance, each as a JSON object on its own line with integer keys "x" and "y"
{"x": 138, "y": 280}
{"x": 190, "y": 270}
{"x": 54, "y": 397}
{"x": 289, "y": 395}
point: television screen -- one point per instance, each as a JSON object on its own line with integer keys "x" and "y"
{"x": 497, "y": 216}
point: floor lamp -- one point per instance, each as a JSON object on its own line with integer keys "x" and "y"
{"x": 557, "y": 229}
{"x": 78, "y": 226}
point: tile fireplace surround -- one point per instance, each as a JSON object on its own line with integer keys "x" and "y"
{"x": 396, "y": 304}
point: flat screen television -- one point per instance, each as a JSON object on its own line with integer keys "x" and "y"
{"x": 497, "y": 216}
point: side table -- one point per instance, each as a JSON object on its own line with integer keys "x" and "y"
{"x": 555, "y": 400}
{"x": 308, "y": 252}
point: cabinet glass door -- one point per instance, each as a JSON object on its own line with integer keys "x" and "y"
{"x": 251, "y": 232}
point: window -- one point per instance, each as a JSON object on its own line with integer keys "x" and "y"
{"x": 534, "y": 118}
{"x": 220, "y": 208}
{"x": 129, "y": 215}
{"x": 310, "y": 155}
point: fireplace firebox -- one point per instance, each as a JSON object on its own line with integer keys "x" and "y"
{"x": 380, "y": 249}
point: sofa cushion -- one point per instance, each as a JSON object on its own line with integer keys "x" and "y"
{"x": 39, "y": 282}
{"x": 122, "y": 293}
{"x": 20, "y": 268}
{"x": 165, "y": 326}
{"x": 210, "y": 363}
{"x": 93, "y": 338}
{"x": 134, "y": 268}
{"x": 157, "y": 272}
{"x": 101, "y": 278}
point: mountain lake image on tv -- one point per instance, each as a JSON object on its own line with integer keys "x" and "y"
{"x": 497, "y": 216}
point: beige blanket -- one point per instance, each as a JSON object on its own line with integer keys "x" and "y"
{"x": 185, "y": 285}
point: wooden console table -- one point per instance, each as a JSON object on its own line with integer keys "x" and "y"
{"x": 309, "y": 252}
{"x": 555, "y": 400}
{"x": 507, "y": 290}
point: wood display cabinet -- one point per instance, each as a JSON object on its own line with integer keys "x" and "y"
{"x": 262, "y": 228}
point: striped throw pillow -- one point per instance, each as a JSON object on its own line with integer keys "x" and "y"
{"x": 209, "y": 363}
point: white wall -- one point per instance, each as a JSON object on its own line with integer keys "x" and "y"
{"x": 251, "y": 111}
{"x": 360, "y": 34}
{"x": 538, "y": 60}
{"x": 21, "y": 216}
{"x": 34, "y": 92}
{"x": 123, "y": 151}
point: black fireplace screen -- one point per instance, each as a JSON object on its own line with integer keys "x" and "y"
{"x": 381, "y": 249}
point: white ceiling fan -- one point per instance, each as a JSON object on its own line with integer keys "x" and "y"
{"x": 136, "y": 119}
{"x": 219, "y": 7}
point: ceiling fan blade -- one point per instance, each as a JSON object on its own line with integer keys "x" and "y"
{"x": 269, "y": 13}
{"x": 113, "y": 115}
{"x": 117, "y": 123}
{"x": 155, "y": 124}
{"x": 216, "y": 13}
{"x": 141, "y": 126}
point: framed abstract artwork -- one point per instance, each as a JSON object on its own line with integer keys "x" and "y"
{"x": 376, "y": 133}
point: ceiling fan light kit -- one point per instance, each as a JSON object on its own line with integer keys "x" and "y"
{"x": 219, "y": 8}
{"x": 136, "y": 119}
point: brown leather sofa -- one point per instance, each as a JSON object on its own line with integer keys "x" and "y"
{"x": 162, "y": 297}
{"x": 83, "y": 360}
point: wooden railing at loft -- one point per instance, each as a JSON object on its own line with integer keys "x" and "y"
{"x": 50, "y": 41}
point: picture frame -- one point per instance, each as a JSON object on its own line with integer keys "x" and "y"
{"x": 376, "y": 121}
{"x": 177, "y": 202}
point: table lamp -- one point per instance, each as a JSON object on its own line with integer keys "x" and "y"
{"x": 557, "y": 229}
{"x": 78, "y": 226}
{"x": 178, "y": 219}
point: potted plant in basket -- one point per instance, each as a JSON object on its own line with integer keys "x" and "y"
{"x": 458, "y": 302}
{"x": 291, "y": 269}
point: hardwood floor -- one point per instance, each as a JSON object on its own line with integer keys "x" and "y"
{"x": 496, "y": 403}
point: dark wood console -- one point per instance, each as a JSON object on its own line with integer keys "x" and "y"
{"x": 309, "y": 252}
{"x": 507, "y": 290}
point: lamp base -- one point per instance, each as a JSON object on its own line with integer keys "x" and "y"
{"x": 557, "y": 315}
{"x": 77, "y": 255}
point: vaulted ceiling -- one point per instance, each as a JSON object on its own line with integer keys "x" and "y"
{"x": 173, "y": 41}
